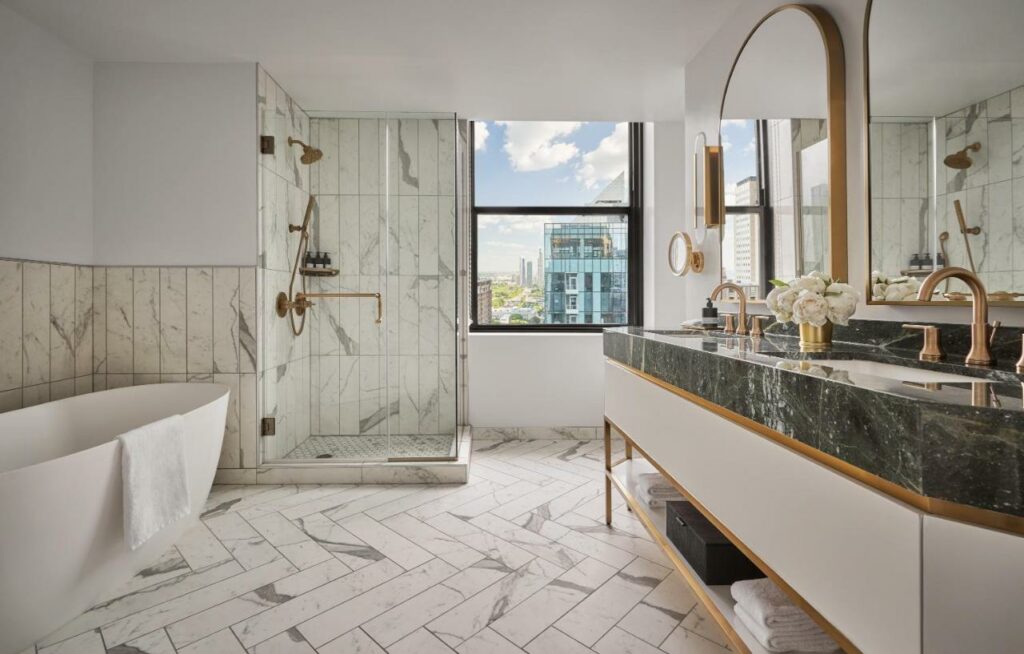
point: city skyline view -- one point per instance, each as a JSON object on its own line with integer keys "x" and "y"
{"x": 538, "y": 164}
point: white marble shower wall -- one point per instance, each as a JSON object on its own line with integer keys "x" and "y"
{"x": 386, "y": 189}
{"x": 991, "y": 191}
{"x": 283, "y": 181}
{"x": 67, "y": 330}
{"x": 900, "y": 172}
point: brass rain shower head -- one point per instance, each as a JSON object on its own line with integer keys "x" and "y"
{"x": 309, "y": 153}
{"x": 961, "y": 160}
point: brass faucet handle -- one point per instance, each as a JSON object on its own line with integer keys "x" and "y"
{"x": 932, "y": 348}
{"x": 1020, "y": 361}
{"x": 992, "y": 332}
{"x": 730, "y": 323}
{"x": 755, "y": 326}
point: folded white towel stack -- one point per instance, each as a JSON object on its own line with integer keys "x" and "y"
{"x": 777, "y": 623}
{"x": 655, "y": 490}
{"x": 154, "y": 478}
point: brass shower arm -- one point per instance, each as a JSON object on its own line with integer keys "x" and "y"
{"x": 303, "y": 299}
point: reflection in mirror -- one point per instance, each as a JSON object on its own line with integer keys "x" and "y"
{"x": 946, "y": 138}
{"x": 774, "y": 137}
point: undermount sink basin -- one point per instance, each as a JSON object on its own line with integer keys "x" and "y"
{"x": 893, "y": 371}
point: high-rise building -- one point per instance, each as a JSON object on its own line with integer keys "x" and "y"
{"x": 586, "y": 277}
{"x": 529, "y": 274}
{"x": 539, "y": 270}
{"x": 522, "y": 271}
{"x": 483, "y": 302}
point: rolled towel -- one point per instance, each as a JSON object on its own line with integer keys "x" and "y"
{"x": 773, "y": 641}
{"x": 766, "y": 603}
{"x": 655, "y": 484}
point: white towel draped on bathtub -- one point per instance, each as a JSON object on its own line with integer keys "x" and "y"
{"x": 155, "y": 478}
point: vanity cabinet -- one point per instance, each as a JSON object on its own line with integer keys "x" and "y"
{"x": 973, "y": 589}
{"x": 851, "y": 552}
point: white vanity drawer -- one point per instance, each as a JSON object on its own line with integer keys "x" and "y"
{"x": 851, "y": 552}
{"x": 973, "y": 589}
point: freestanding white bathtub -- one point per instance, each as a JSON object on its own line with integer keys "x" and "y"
{"x": 61, "y": 535}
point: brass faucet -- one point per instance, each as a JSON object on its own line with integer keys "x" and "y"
{"x": 980, "y": 355}
{"x": 741, "y": 329}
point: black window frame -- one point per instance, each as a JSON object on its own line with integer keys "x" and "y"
{"x": 763, "y": 209}
{"x": 634, "y": 248}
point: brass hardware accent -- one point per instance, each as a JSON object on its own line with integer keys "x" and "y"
{"x": 961, "y": 160}
{"x": 932, "y": 348}
{"x": 268, "y": 426}
{"x": 696, "y": 585}
{"x": 1020, "y": 361}
{"x": 304, "y": 298}
{"x": 693, "y": 260}
{"x": 1004, "y": 296}
{"x": 943, "y": 508}
{"x": 980, "y": 355}
{"x": 814, "y": 338}
{"x": 755, "y": 326}
{"x": 730, "y": 323}
{"x": 741, "y": 328}
{"x": 708, "y": 184}
{"x": 309, "y": 153}
{"x": 964, "y": 231}
{"x": 266, "y": 144}
{"x": 835, "y": 71}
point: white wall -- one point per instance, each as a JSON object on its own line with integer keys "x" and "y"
{"x": 175, "y": 161}
{"x": 705, "y": 82}
{"x": 46, "y": 153}
{"x": 536, "y": 380}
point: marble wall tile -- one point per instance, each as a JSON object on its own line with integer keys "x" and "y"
{"x": 231, "y": 450}
{"x": 10, "y": 329}
{"x": 99, "y": 312}
{"x": 328, "y": 389}
{"x": 36, "y": 323}
{"x": 446, "y": 315}
{"x": 408, "y": 315}
{"x": 408, "y": 157}
{"x": 369, "y": 157}
{"x": 428, "y": 316}
{"x": 33, "y": 395}
{"x": 1017, "y": 147}
{"x": 120, "y": 320}
{"x": 247, "y": 320}
{"x": 428, "y": 236}
{"x": 348, "y": 258}
{"x": 62, "y": 389}
{"x": 408, "y": 235}
{"x": 446, "y": 395}
{"x": 348, "y": 156}
{"x": 446, "y": 172}
{"x": 248, "y": 420}
{"x": 10, "y": 400}
{"x": 349, "y": 395}
{"x": 199, "y": 320}
{"x": 429, "y": 395}
{"x": 173, "y": 320}
{"x": 83, "y": 384}
{"x": 1018, "y": 228}
{"x": 84, "y": 320}
{"x": 408, "y": 381}
{"x": 327, "y": 170}
{"x": 146, "y": 320}
{"x": 371, "y": 334}
{"x": 371, "y": 394}
{"x": 446, "y": 254}
{"x": 428, "y": 156}
{"x": 370, "y": 260}
{"x": 62, "y": 322}
{"x": 1000, "y": 139}
{"x": 226, "y": 311}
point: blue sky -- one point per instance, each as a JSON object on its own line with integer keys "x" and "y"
{"x": 740, "y": 151}
{"x": 538, "y": 164}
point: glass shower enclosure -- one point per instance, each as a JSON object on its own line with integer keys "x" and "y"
{"x": 383, "y": 221}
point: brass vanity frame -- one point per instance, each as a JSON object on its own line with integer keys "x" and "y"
{"x": 835, "y": 71}
{"x": 867, "y": 195}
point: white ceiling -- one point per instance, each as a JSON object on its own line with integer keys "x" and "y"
{"x": 508, "y": 59}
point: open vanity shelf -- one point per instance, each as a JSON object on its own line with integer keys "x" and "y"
{"x": 716, "y": 599}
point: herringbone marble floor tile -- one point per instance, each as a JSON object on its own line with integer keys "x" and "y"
{"x": 516, "y": 560}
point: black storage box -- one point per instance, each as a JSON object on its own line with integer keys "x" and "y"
{"x": 716, "y": 560}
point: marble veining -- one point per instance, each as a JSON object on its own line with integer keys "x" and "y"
{"x": 926, "y": 440}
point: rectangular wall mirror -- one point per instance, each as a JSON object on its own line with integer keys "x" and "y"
{"x": 945, "y": 84}
{"x": 782, "y": 134}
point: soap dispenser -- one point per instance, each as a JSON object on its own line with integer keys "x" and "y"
{"x": 709, "y": 316}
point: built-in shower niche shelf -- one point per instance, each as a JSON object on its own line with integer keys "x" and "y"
{"x": 318, "y": 272}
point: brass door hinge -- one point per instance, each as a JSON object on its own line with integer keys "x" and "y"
{"x": 268, "y": 426}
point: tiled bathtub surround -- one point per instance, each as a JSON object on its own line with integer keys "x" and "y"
{"x": 991, "y": 191}
{"x": 67, "y": 330}
{"x": 284, "y": 190}
{"x": 386, "y": 192}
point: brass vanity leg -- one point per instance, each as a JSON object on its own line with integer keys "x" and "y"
{"x": 607, "y": 472}
{"x": 629, "y": 448}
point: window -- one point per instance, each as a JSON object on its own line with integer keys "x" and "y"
{"x": 746, "y": 234}
{"x": 557, "y": 226}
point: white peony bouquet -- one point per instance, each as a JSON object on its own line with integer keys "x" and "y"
{"x": 815, "y": 299}
{"x": 893, "y": 289}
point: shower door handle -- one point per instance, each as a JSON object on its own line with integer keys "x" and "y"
{"x": 300, "y": 297}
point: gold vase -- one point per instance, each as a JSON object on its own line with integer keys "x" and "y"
{"x": 815, "y": 339}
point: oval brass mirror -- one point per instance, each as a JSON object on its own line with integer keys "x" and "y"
{"x": 682, "y": 257}
{"x": 783, "y": 137}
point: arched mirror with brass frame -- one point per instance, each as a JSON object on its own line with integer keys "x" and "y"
{"x": 944, "y": 97}
{"x": 782, "y": 134}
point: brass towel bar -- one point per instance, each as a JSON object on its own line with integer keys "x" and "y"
{"x": 302, "y": 302}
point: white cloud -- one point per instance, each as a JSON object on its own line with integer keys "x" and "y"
{"x": 480, "y": 134}
{"x": 604, "y": 163}
{"x": 735, "y": 122}
{"x": 514, "y": 224}
{"x": 533, "y": 146}
{"x": 726, "y": 144}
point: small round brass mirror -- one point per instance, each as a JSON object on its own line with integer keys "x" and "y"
{"x": 682, "y": 258}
